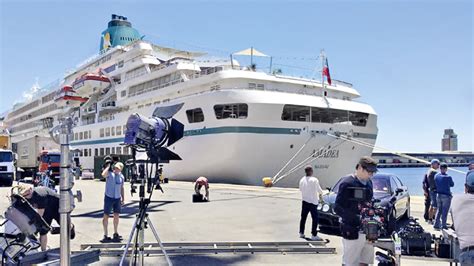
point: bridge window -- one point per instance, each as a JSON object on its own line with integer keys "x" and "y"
{"x": 323, "y": 115}
{"x": 296, "y": 113}
{"x": 195, "y": 115}
{"x": 101, "y": 132}
{"x": 119, "y": 130}
{"x": 236, "y": 110}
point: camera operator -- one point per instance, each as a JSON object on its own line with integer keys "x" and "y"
{"x": 356, "y": 249}
{"x": 114, "y": 198}
{"x": 46, "y": 202}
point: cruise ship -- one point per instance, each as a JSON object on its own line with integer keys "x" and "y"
{"x": 241, "y": 124}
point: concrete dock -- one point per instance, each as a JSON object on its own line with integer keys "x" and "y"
{"x": 235, "y": 213}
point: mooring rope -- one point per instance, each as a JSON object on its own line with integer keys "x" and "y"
{"x": 366, "y": 144}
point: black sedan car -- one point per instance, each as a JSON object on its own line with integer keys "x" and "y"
{"x": 387, "y": 188}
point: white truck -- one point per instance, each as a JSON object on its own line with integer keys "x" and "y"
{"x": 30, "y": 153}
{"x": 7, "y": 167}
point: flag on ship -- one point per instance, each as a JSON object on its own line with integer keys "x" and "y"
{"x": 326, "y": 71}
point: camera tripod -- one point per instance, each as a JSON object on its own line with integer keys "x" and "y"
{"x": 142, "y": 221}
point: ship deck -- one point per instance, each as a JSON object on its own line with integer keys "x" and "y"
{"x": 235, "y": 213}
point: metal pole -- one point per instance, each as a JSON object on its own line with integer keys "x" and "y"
{"x": 271, "y": 62}
{"x": 251, "y": 56}
{"x": 322, "y": 69}
{"x": 65, "y": 194}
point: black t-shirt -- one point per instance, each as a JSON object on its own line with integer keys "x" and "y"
{"x": 347, "y": 208}
{"x": 44, "y": 198}
{"x": 431, "y": 179}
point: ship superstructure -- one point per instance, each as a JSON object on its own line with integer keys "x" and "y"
{"x": 240, "y": 124}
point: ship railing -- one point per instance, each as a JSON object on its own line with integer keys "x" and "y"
{"x": 169, "y": 83}
{"x": 207, "y": 71}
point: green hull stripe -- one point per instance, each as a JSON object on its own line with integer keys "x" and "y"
{"x": 254, "y": 130}
{"x": 221, "y": 130}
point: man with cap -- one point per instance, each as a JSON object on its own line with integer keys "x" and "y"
{"x": 311, "y": 194}
{"x": 113, "y": 199}
{"x": 356, "y": 249}
{"x": 429, "y": 188}
{"x": 462, "y": 212}
{"x": 444, "y": 183}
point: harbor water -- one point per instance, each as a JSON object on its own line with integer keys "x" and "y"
{"x": 412, "y": 177}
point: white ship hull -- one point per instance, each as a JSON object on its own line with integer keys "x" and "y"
{"x": 243, "y": 151}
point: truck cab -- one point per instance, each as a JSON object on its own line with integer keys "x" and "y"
{"x": 50, "y": 160}
{"x": 7, "y": 167}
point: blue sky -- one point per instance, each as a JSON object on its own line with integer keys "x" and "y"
{"x": 411, "y": 60}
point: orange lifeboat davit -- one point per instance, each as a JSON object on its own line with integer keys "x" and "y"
{"x": 89, "y": 83}
{"x": 67, "y": 97}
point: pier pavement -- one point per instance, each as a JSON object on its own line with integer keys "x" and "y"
{"x": 235, "y": 213}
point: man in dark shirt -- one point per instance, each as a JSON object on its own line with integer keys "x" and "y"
{"x": 46, "y": 202}
{"x": 429, "y": 187}
{"x": 356, "y": 249}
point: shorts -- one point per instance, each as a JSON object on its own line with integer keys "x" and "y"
{"x": 49, "y": 216}
{"x": 434, "y": 202}
{"x": 357, "y": 251}
{"x": 112, "y": 204}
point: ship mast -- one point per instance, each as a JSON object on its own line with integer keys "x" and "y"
{"x": 322, "y": 56}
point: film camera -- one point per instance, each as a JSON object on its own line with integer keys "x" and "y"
{"x": 372, "y": 215}
{"x": 109, "y": 161}
{"x": 372, "y": 220}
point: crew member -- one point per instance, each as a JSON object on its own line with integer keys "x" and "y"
{"x": 356, "y": 249}
{"x": 46, "y": 202}
{"x": 311, "y": 195}
{"x": 462, "y": 211}
{"x": 113, "y": 199}
{"x": 429, "y": 186}
{"x": 444, "y": 183}
{"x": 200, "y": 182}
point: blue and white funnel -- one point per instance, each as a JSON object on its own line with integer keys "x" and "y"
{"x": 118, "y": 32}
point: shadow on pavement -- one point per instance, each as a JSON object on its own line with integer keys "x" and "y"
{"x": 207, "y": 260}
{"x": 128, "y": 210}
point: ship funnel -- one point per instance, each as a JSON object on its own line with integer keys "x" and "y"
{"x": 118, "y": 32}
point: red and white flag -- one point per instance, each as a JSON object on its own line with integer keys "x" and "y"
{"x": 326, "y": 71}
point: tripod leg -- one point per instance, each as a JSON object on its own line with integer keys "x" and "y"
{"x": 141, "y": 244}
{"x": 155, "y": 233}
{"x": 128, "y": 242}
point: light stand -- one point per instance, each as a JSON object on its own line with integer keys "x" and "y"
{"x": 142, "y": 220}
{"x": 66, "y": 198}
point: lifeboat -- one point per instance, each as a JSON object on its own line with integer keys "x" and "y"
{"x": 67, "y": 97}
{"x": 89, "y": 83}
